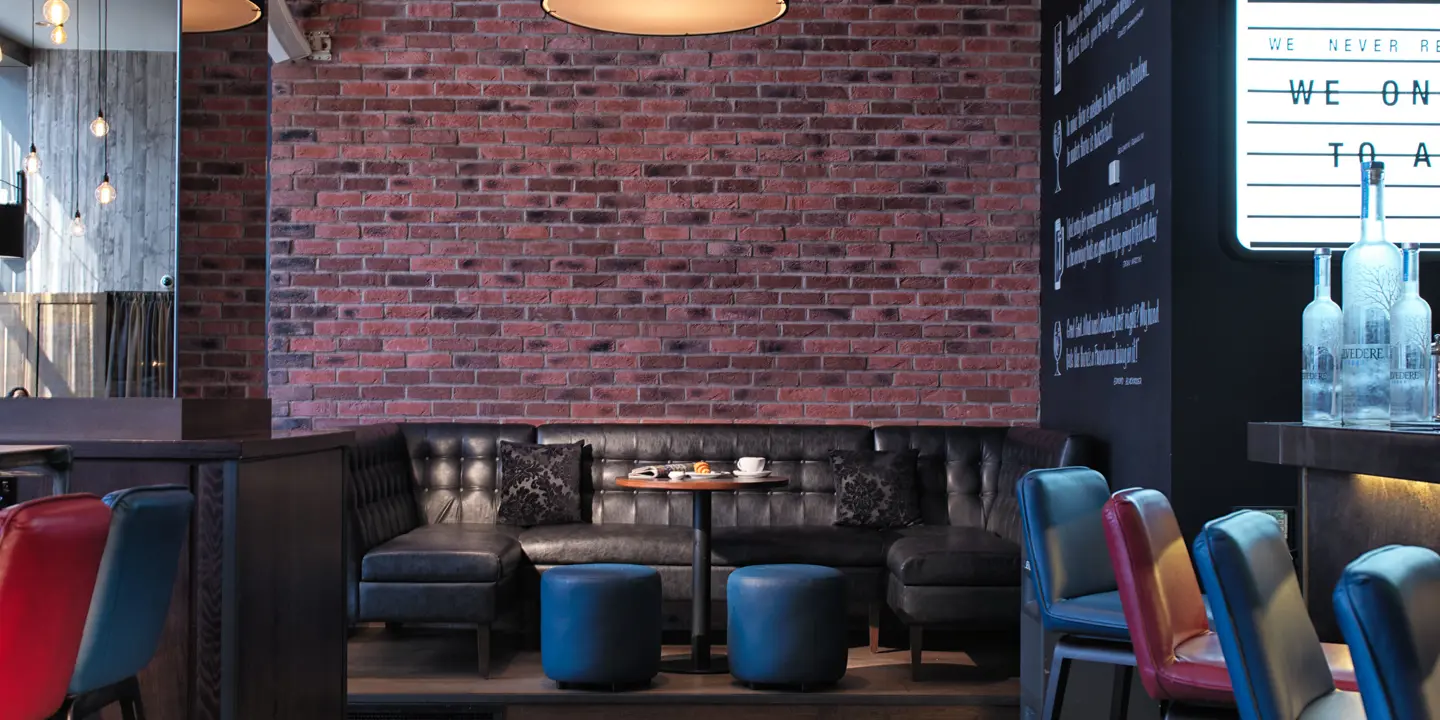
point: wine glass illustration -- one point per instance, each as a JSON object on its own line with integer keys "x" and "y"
{"x": 1059, "y": 347}
{"x": 1059, "y": 251}
{"x": 1057, "y": 143}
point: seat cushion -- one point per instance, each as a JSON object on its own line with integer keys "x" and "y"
{"x": 1200, "y": 665}
{"x": 619, "y": 543}
{"x": 1098, "y": 616}
{"x": 453, "y": 552}
{"x": 953, "y": 556}
{"x": 831, "y": 546}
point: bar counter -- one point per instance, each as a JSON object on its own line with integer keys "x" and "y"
{"x": 256, "y": 629}
{"x": 1360, "y": 489}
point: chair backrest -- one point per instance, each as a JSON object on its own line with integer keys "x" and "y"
{"x": 49, "y": 554}
{"x": 148, "y": 527}
{"x": 1388, "y": 606}
{"x": 1156, "y": 579}
{"x": 1064, "y": 536}
{"x": 1275, "y": 661}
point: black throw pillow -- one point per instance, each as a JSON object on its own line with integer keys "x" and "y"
{"x": 875, "y": 489}
{"x": 538, "y": 484}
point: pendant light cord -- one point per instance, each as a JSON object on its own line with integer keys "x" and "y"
{"x": 31, "y": 71}
{"x": 75, "y": 180}
{"x": 105, "y": 81}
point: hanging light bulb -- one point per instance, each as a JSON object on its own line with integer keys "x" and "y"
{"x": 55, "y": 12}
{"x": 100, "y": 127}
{"x": 32, "y": 161}
{"x": 77, "y": 226}
{"x": 58, "y": 35}
{"x": 105, "y": 193}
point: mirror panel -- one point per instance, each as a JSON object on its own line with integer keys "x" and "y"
{"x": 92, "y": 314}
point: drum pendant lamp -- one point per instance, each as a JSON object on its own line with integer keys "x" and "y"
{"x": 206, "y": 16}
{"x": 666, "y": 17}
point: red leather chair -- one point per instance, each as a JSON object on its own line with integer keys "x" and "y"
{"x": 49, "y": 556}
{"x": 1177, "y": 655}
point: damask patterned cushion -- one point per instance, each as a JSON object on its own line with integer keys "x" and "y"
{"x": 875, "y": 489}
{"x": 538, "y": 484}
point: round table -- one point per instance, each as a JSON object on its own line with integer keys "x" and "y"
{"x": 700, "y": 661}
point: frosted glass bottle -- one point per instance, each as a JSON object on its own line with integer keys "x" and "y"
{"x": 1320, "y": 338}
{"x": 1370, "y": 275}
{"x": 1410, "y": 372}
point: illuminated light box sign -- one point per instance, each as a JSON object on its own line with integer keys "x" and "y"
{"x": 1320, "y": 87}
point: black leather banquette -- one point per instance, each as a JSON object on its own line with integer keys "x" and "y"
{"x": 425, "y": 546}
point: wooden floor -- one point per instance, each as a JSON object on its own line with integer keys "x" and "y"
{"x": 415, "y": 666}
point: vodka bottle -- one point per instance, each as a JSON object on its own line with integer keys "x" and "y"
{"x": 1410, "y": 372}
{"x": 1370, "y": 285}
{"x": 1320, "y": 335}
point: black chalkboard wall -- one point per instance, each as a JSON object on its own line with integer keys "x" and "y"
{"x": 1155, "y": 338}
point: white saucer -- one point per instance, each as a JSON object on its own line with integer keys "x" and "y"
{"x": 704, "y": 476}
{"x": 752, "y": 475}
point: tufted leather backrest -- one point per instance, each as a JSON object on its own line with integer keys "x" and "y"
{"x": 1276, "y": 663}
{"x": 381, "y": 491}
{"x": 1388, "y": 606}
{"x": 1158, "y": 590}
{"x": 453, "y": 465}
{"x": 958, "y": 469}
{"x": 967, "y": 475}
{"x": 798, "y": 452}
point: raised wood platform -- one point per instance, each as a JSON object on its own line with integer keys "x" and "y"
{"x": 417, "y": 667}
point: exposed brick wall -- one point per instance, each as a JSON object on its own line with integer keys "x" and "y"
{"x": 224, "y": 106}
{"x": 481, "y": 213}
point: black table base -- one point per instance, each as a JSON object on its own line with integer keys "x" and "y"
{"x": 714, "y": 665}
{"x": 700, "y": 661}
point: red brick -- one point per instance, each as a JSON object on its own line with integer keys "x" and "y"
{"x": 531, "y": 221}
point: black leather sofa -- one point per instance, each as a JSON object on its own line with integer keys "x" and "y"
{"x": 425, "y": 547}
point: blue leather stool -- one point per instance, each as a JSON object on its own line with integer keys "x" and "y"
{"x": 1074, "y": 582}
{"x": 600, "y": 625}
{"x": 787, "y": 625}
{"x": 148, "y": 527}
{"x": 1276, "y": 664}
{"x": 1388, "y": 605}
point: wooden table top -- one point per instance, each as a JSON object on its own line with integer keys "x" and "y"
{"x": 57, "y": 457}
{"x": 720, "y": 484}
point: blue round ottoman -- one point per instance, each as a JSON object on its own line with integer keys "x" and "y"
{"x": 787, "y": 625}
{"x": 600, "y": 625}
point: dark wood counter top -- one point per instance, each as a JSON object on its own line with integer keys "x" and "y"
{"x": 1405, "y": 454}
{"x": 256, "y": 447}
{"x": 57, "y": 457}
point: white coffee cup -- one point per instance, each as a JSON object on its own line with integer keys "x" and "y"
{"x": 750, "y": 464}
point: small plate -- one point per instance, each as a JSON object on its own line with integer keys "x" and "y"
{"x": 705, "y": 476}
{"x": 752, "y": 475}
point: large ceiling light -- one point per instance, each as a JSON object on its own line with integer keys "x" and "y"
{"x": 666, "y": 17}
{"x": 205, "y": 16}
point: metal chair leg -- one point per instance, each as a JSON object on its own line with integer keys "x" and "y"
{"x": 1055, "y": 687}
{"x": 1120, "y": 692}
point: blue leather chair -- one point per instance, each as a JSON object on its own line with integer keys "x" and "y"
{"x": 148, "y": 527}
{"x": 1060, "y": 512}
{"x": 1388, "y": 606}
{"x": 1276, "y": 664}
